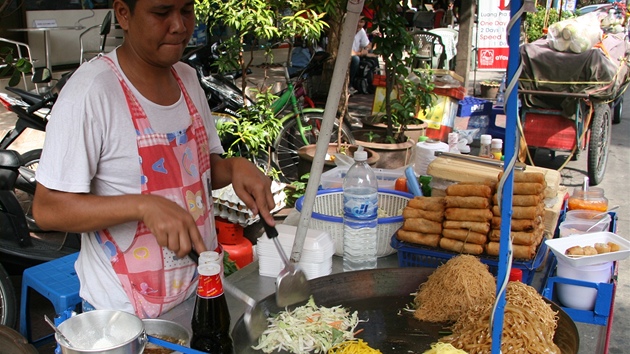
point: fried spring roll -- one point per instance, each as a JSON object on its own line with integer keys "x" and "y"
{"x": 520, "y": 237}
{"x": 528, "y": 188}
{"x": 469, "y": 190}
{"x": 422, "y": 225}
{"x": 465, "y": 236}
{"x": 432, "y": 240}
{"x": 467, "y": 202}
{"x": 522, "y": 200}
{"x": 409, "y": 212}
{"x": 459, "y": 246}
{"x": 476, "y": 226}
{"x": 520, "y": 212}
{"x": 517, "y": 224}
{"x": 519, "y": 251}
{"x": 427, "y": 203}
{"x": 530, "y": 177}
{"x": 465, "y": 214}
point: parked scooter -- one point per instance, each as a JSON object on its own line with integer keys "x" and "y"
{"x": 19, "y": 247}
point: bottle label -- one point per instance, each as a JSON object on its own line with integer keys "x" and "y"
{"x": 360, "y": 206}
{"x": 209, "y": 286}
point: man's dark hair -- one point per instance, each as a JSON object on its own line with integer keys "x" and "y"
{"x": 131, "y": 4}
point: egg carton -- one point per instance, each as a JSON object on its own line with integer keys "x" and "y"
{"x": 229, "y": 206}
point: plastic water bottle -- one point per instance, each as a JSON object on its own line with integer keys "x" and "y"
{"x": 360, "y": 215}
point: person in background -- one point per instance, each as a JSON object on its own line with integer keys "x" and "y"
{"x": 130, "y": 158}
{"x": 439, "y": 10}
{"x": 360, "y": 47}
{"x": 300, "y": 56}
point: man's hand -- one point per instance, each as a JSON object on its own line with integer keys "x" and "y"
{"x": 172, "y": 225}
{"x": 253, "y": 187}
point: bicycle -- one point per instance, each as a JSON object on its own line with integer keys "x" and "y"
{"x": 301, "y": 126}
{"x": 295, "y": 110}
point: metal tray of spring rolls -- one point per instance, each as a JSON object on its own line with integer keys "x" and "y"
{"x": 380, "y": 297}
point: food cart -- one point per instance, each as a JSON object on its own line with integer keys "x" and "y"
{"x": 570, "y": 100}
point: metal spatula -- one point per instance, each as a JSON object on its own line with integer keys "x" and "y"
{"x": 255, "y": 316}
{"x": 291, "y": 284}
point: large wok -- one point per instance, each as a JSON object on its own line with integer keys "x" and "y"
{"x": 380, "y": 296}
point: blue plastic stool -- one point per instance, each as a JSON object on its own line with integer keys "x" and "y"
{"x": 57, "y": 281}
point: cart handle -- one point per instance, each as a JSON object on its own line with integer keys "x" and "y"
{"x": 551, "y": 93}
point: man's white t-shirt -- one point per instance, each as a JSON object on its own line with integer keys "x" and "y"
{"x": 361, "y": 40}
{"x": 90, "y": 147}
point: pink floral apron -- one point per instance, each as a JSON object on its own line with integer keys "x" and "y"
{"x": 176, "y": 166}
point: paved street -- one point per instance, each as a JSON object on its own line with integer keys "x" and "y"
{"x": 615, "y": 185}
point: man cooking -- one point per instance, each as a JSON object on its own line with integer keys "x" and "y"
{"x": 130, "y": 158}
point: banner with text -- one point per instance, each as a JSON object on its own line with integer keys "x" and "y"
{"x": 492, "y": 42}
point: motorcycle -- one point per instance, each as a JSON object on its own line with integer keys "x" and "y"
{"x": 22, "y": 243}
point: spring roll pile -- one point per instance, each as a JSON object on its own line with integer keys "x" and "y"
{"x": 423, "y": 218}
{"x": 467, "y": 217}
{"x": 527, "y": 227}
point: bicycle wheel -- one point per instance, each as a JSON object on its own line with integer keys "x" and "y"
{"x": 8, "y": 302}
{"x": 285, "y": 148}
{"x": 30, "y": 160}
{"x": 598, "y": 143}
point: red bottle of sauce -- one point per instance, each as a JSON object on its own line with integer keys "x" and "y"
{"x": 211, "y": 317}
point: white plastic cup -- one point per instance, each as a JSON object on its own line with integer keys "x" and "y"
{"x": 581, "y": 297}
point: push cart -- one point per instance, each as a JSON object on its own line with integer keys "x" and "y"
{"x": 570, "y": 101}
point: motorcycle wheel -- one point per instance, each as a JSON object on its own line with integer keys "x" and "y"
{"x": 30, "y": 160}
{"x": 8, "y": 302}
{"x": 289, "y": 141}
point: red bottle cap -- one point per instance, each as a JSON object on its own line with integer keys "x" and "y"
{"x": 516, "y": 275}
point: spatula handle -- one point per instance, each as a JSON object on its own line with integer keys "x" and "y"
{"x": 269, "y": 230}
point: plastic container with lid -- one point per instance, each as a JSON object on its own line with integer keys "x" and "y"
{"x": 496, "y": 149}
{"x": 581, "y": 297}
{"x": 578, "y": 227}
{"x": 591, "y": 199}
{"x": 484, "y": 150}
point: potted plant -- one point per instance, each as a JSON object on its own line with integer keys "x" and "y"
{"x": 394, "y": 44}
{"x": 489, "y": 88}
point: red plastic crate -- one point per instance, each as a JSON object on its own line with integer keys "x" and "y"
{"x": 549, "y": 131}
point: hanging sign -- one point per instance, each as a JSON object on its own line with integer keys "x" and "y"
{"x": 492, "y": 42}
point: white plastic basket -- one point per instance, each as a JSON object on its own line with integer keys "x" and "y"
{"x": 328, "y": 216}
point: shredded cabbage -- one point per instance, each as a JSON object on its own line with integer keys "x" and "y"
{"x": 308, "y": 328}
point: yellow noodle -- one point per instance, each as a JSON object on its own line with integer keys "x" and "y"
{"x": 453, "y": 288}
{"x": 353, "y": 347}
{"x": 529, "y": 325}
{"x": 443, "y": 348}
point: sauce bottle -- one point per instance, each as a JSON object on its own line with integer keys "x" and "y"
{"x": 211, "y": 317}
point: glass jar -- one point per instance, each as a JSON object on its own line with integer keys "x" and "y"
{"x": 592, "y": 199}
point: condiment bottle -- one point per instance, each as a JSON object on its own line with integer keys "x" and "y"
{"x": 211, "y": 317}
{"x": 591, "y": 199}
{"x": 496, "y": 149}
{"x": 484, "y": 148}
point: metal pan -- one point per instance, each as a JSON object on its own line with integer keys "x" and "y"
{"x": 380, "y": 296}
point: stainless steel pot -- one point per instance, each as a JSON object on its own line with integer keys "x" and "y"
{"x": 103, "y": 331}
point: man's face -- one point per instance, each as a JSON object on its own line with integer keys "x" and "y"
{"x": 159, "y": 30}
{"x": 361, "y": 24}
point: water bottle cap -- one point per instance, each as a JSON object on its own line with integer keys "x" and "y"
{"x": 497, "y": 143}
{"x": 485, "y": 138}
{"x": 360, "y": 155}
